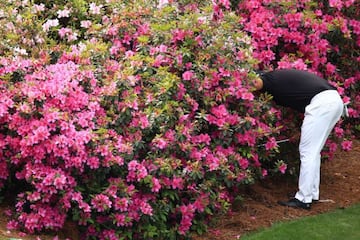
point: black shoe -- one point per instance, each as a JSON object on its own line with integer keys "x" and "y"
{"x": 295, "y": 203}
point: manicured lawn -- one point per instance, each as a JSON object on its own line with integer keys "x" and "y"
{"x": 340, "y": 224}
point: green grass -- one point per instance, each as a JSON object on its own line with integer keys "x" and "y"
{"x": 337, "y": 225}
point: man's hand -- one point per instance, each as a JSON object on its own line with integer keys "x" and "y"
{"x": 295, "y": 137}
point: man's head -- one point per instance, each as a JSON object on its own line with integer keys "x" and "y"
{"x": 257, "y": 83}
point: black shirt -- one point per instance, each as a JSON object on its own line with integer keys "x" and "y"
{"x": 293, "y": 88}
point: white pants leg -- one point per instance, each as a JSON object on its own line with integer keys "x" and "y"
{"x": 320, "y": 117}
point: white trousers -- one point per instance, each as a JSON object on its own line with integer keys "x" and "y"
{"x": 320, "y": 117}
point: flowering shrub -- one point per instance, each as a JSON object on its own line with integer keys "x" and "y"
{"x": 318, "y": 36}
{"x": 137, "y": 120}
{"x": 137, "y": 129}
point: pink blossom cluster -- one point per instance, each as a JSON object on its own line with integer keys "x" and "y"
{"x": 290, "y": 38}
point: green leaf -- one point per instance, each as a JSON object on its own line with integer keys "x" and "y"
{"x": 143, "y": 39}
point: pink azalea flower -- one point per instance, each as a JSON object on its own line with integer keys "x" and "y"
{"x": 219, "y": 111}
{"x": 109, "y": 234}
{"x": 120, "y": 219}
{"x": 95, "y": 9}
{"x": 187, "y": 212}
{"x": 244, "y": 94}
{"x": 39, "y": 7}
{"x": 40, "y": 134}
{"x": 12, "y": 225}
{"x": 160, "y": 143}
{"x": 63, "y": 13}
{"x": 202, "y": 138}
{"x": 177, "y": 183}
{"x": 243, "y": 162}
{"x": 35, "y": 196}
{"x": 170, "y": 135}
{"x": 349, "y": 81}
{"x": 346, "y": 145}
{"x": 195, "y": 154}
{"x": 146, "y": 209}
{"x": 332, "y": 147}
{"x": 163, "y": 48}
{"x": 282, "y": 168}
{"x": 212, "y": 162}
{"x": 271, "y": 144}
{"x": 132, "y": 165}
{"x": 162, "y": 3}
{"x": 187, "y": 75}
{"x": 60, "y": 182}
{"x": 50, "y": 23}
{"x": 336, "y": 4}
{"x": 101, "y": 202}
{"x": 339, "y": 132}
{"x": 121, "y": 204}
{"x": 156, "y": 186}
{"x": 3, "y": 109}
{"x": 85, "y": 24}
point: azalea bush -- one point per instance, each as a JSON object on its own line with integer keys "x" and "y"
{"x": 137, "y": 125}
{"x": 317, "y": 36}
{"x": 137, "y": 119}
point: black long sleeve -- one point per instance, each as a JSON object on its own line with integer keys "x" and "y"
{"x": 293, "y": 88}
